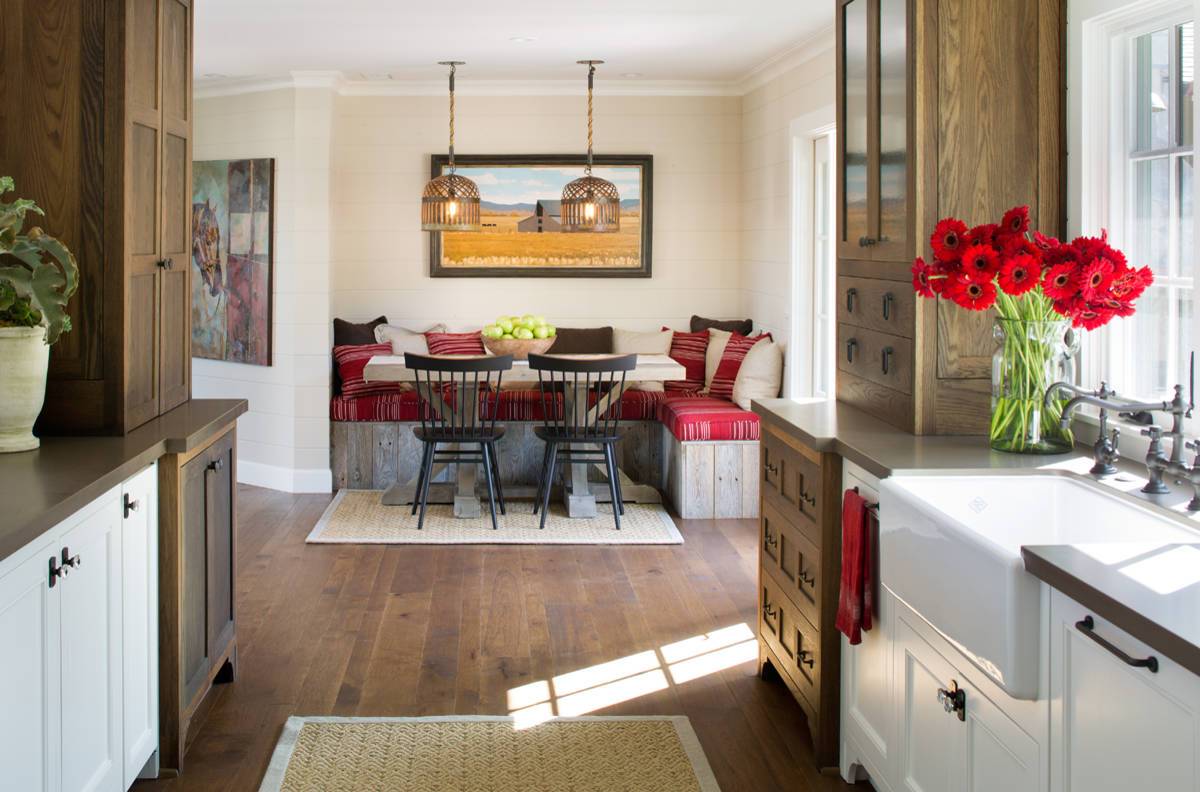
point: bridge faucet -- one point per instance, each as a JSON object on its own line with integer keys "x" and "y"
{"x": 1105, "y": 449}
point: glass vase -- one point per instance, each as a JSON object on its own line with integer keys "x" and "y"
{"x": 1030, "y": 356}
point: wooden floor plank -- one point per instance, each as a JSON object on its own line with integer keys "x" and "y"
{"x": 420, "y": 630}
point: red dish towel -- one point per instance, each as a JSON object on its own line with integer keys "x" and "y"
{"x": 856, "y": 599}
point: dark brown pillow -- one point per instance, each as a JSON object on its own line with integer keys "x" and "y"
{"x": 739, "y": 326}
{"x": 583, "y": 341}
{"x": 354, "y": 334}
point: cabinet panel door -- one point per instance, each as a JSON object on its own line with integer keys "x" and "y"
{"x": 220, "y": 545}
{"x": 1115, "y": 726}
{"x": 29, "y": 633}
{"x": 868, "y": 705}
{"x": 194, "y": 662}
{"x": 931, "y": 740}
{"x": 139, "y": 609}
{"x": 892, "y": 177}
{"x": 854, "y": 222}
{"x": 90, "y": 601}
{"x": 142, "y": 288}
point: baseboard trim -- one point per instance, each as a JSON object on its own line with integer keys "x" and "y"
{"x": 284, "y": 479}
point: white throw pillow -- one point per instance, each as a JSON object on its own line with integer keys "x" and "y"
{"x": 717, "y": 339}
{"x": 654, "y": 342}
{"x": 404, "y": 340}
{"x": 761, "y": 374}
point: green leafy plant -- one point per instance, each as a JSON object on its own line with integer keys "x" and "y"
{"x": 38, "y": 275}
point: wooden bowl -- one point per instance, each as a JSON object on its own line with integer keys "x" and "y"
{"x": 519, "y": 348}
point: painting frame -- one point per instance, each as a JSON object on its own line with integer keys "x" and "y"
{"x": 249, "y": 274}
{"x": 437, "y": 269}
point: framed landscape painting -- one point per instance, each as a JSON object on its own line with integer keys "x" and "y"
{"x": 233, "y": 217}
{"x": 520, "y": 197}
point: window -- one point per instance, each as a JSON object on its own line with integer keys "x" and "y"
{"x": 1149, "y": 205}
{"x": 823, "y": 332}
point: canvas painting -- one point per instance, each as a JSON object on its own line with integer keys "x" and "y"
{"x": 520, "y": 211}
{"x": 232, "y": 257}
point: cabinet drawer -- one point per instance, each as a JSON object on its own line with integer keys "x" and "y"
{"x": 793, "y": 559}
{"x": 879, "y": 357}
{"x": 792, "y": 638}
{"x": 880, "y": 305}
{"x": 790, "y": 477}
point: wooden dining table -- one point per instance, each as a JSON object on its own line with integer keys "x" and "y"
{"x": 579, "y": 496}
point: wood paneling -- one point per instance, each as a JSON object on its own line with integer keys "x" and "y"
{"x": 194, "y": 663}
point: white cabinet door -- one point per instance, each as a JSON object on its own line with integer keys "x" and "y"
{"x": 139, "y": 608}
{"x": 29, "y": 702}
{"x": 90, "y": 607}
{"x": 983, "y": 751}
{"x": 1116, "y": 726}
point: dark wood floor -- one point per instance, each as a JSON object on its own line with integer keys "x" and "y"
{"x": 376, "y": 630}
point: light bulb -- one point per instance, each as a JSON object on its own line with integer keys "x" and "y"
{"x": 589, "y": 211}
{"x": 452, "y": 209}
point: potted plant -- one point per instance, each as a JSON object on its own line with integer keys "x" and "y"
{"x": 1042, "y": 289}
{"x": 38, "y": 275}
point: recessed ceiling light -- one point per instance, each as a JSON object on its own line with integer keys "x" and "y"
{"x": 632, "y": 75}
{"x": 522, "y": 39}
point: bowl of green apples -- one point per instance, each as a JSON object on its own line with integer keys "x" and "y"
{"x": 519, "y": 336}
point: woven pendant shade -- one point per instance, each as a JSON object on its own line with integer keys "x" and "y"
{"x": 450, "y": 202}
{"x": 591, "y": 204}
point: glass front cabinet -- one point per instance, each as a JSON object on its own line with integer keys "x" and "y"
{"x": 873, "y": 113}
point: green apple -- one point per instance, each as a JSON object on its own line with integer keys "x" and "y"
{"x": 525, "y": 334}
{"x": 541, "y": 331}
{"x": 505, "y": 324}
{"x": 551, "y": 331}
{"x": 539, "y": 321}
{"x": 507, "y": 336}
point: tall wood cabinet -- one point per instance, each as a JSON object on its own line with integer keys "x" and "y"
{"x": 198, "y": 644}
{"x": 946, "y": 107}
{"x": 95, "y": 125}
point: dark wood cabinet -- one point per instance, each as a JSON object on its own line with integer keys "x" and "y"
{"x": 198, "y": 571}
{"x": 945, "y": 107}
{"x": 96, "y": 127}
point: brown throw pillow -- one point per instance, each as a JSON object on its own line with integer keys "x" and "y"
{"x": 355, "y": 333}
{"x": 583, "y": 341}
{"x": 739, "y": 326}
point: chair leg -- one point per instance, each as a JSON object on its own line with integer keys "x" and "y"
{"x": 611, "y": 463}
{"x": 428, "y": 474}
{"x": 617, "y": 480}
{"x": 496, "y": 474}
{"x": 549, "y": 478}
{"x": 425, "y": 452}
{"x": 491, "y": 484}
{"x": 543, "y": 479}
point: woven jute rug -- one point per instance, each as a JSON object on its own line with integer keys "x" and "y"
{"x": 358, "y": 517}
{"x": 488, "y": 754}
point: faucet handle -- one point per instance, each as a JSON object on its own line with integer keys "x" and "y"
{"x": 1193, "y": 446}
{"x": 1154, "y": 432}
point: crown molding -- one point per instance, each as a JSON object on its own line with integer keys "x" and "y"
{"x": 810, "y": 47}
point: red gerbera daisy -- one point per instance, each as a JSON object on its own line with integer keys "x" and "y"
{"x": 1059, "y": 282}
{"x": 980, "y": 261}
{"x": 948, "y": 239}
{"x": 920, "y": 278}
{"x": 1016, "y": 221}
{"x": 983, "y": 234}
{"x": 1045, "y": 242}
{"x": 1095, "y": 279}
{"x": 1090, "y": 318}
{"x": 1020, "y": 274}
{"x": 1130, "y": 284}
{"x": 1069, "y": 306}
{"x": 972, "y": 294}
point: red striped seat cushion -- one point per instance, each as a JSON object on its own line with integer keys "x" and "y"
{"x": 687, "y": 349}
{"x": 704, "y": 418}
{"x": 516, "y": 405}
{"x": 455, "y": 343}
{"x": 731, "y": 362}
{"x": 351, "y": 360}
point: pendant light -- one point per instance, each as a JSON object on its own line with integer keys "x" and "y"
{"x": 590, "y": 203}
{"x": 450, "y": 202}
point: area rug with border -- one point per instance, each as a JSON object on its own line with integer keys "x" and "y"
{"x": 358, "y": 517}
{"x": 484, "y": 753}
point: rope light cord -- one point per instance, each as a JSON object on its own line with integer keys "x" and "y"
{"x": 452, "y": 69}
{"x": 591, "y": 76}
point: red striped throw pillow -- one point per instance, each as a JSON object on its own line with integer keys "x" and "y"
{"x": 731, "y": 362}
{"x": 687, "y": 349}
{"x": 455, "y": 343}
{"x": 351, "y": 360}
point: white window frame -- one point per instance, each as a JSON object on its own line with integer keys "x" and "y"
{"x": 1100, "y": 129}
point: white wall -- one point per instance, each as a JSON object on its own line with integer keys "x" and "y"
{"x": 283, "y": 441}
{"x": 381, "y": 163}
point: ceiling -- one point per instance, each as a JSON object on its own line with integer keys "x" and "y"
{"x": 401, "y": 40}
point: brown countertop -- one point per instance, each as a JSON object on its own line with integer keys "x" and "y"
{"x": 41, "y": 488}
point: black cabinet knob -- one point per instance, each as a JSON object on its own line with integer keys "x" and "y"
{"x": 851, "y": 348}
{"x": 851, "y": 294}
{"x": 70, "y": 561}
{"x": 216, "y": 464}
{"x": 131, "y": 505}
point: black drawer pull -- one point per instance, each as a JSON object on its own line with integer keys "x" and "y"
{"x": 216, "y": 464}
{"x": 850, "y": 295}
{"x": 1087, "y": 626}
{"x": 851, "y": 348}
{"x": 806, "y": 657}
{"x": 768, "y": 611}
{"x": 807, "y": 579}
{"x": 55, "y": 571}
{"x": 886, "y": 358}
{"x": 866, "y": 241}
{"x": 131, "y": 505}
{"x": 770, "y": 540}
{"x": 888, "y": 299}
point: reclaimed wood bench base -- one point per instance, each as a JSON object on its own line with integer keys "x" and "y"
{"x": 709, "y": 479}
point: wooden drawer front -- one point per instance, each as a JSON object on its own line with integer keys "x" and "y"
{"x": 790, "y": 478}
{"x": 879, "y": 357}
{"x": 792, "y": 638}
{"x": 880, "y": 305}
{"x": 771, "y": 463}
{"x": 794, "y": 560}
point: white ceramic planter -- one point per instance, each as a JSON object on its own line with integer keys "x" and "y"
{"x": 24, "y": 358}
